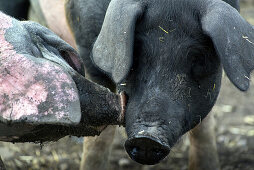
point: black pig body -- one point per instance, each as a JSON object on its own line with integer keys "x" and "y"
{"x": 167, "y": 56}
{"x": 15, "y": 8}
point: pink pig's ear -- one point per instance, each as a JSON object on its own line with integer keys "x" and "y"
{"x": 45, "y": 38}
{"x": 233, "y": 39}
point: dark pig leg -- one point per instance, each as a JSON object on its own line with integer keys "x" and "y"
{"x": 2, "y": 167}
{"x": 203, "y": 151}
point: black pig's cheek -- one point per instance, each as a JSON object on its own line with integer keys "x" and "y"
{"x": 204, "y": 98}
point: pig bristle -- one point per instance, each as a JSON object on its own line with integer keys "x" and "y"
{"x": 163, "y": 30}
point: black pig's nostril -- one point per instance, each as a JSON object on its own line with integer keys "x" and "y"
{"x": 134, "y": 151}
{"x": 146, "y": 150}
{"x": 157, "y": 152}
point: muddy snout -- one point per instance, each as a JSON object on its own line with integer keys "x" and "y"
{"x": 150, "y": 129}
{"x": 146, "y": 149}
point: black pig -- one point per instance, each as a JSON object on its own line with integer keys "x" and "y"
{"x": 167, "y": 56}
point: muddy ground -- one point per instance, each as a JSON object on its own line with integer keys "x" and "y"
{"x": 234, "y": 112}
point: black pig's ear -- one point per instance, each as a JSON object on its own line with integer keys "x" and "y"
{"x": 233, "y": 39}
{"x": 113, "y": 49}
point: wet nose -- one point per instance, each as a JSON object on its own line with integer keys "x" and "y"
{"x": 146, "y": 150}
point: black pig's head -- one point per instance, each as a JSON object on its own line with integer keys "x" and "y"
{"x": 167, "y": 57}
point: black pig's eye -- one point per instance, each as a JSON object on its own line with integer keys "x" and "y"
{"x": 203, "y": 65}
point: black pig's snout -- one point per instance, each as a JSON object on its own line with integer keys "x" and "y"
{"x": 146, "y": 150}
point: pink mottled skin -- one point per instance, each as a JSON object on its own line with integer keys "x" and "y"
{"x": 27, "y": 82}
